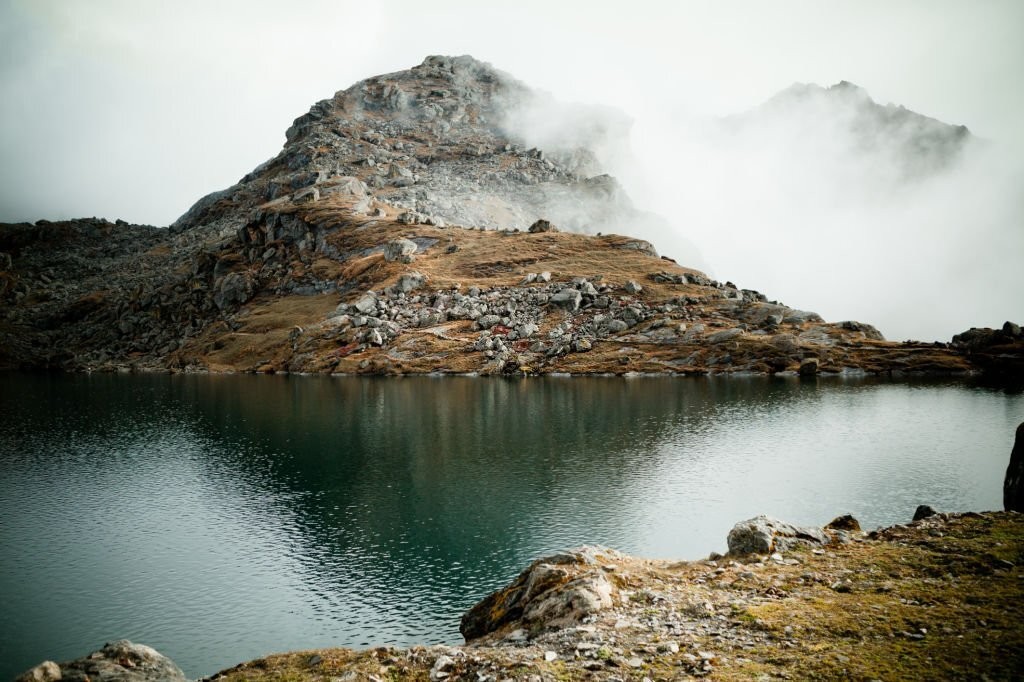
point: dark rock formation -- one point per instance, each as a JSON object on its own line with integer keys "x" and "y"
{"x": 923, "y": 512}
{"x": 120, "y": 661}
{"x": 1013, "y": 484}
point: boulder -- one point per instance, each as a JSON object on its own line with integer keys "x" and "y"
{"x": 1013, "y": 483}
{"x": 542, "y": 226}
{"x": 410, "y": 281}
{"x": 809, "y": 367}
{"x": 400, "y": 250}
{"x": 234, "y": 288}
{"x": 567, "y": 298}
{"x": 120, "y": 661}
{"x": 846, "y": 522}
{"x": 765, "y": 535}
{"x": 554, "y": 591}
{"x": 487, "y": 321}
{"x": 923, "y": 511}
{"x": 724, "y": 335}
{"x": 367, "y": 303}
{"x": 633, "y": 287}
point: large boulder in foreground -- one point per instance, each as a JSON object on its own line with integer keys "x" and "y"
{"x": 1013, "y": 484}
{"x": 765, "y": 535}
{"x": 554, "y": 591}
{"x": 120, "y": 661}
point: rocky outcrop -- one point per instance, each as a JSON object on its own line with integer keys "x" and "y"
{"x": 765, "y": 535}
{"x": 120, "y": 661}
{"x": 554, "y": 591}
{"x": 1013, "y": 483}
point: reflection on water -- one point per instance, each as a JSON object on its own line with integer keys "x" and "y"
{"x": 221, "y": 518}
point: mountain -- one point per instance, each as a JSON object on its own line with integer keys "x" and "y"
{"x": 809, "y": 117}
{"x": 407, "y": 227}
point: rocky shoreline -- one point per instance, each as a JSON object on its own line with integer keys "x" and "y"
{"x": 937, "y": 598}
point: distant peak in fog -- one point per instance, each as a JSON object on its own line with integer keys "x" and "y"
{"x": 912, "y": 143}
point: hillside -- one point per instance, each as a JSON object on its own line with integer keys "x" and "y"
{"x": 405, "y": 228}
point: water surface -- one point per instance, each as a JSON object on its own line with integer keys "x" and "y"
{"x": 219, "y": 518}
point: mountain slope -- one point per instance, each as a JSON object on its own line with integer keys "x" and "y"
{"x": 361, "y": 247}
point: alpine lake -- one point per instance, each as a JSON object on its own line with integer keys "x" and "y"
{"x": 221, "y": 518}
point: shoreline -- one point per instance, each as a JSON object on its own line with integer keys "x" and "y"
{"x": 939, "y": 596}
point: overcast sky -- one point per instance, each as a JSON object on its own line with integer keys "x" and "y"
{"x": 131, "y": 109}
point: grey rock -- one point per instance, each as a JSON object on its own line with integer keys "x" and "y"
{"x": 375, "y": 338}
{"x": 555, "y": 591}
{"x": 488, "y": 321}
{"x": 582, "y": 345}
{"x": 724, "y": 335}
{"x": 47, "y": 671}
{"x": 765, "y": 535}
{"x": 526, "y": 330}
{"x": 234, "y": 288}
{"x": 617, "y": 326}
{"x": 399, "y": 250}
{"x": 367, "y": 303}
{"x": 120, "y": 661}
{"x": 633, "y": 287}
{"x": 410, "y": 281}
{"x": 544, "y": 277}
{"x": 567, "y": 298}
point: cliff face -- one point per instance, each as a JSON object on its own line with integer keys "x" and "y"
{"x": 404, "y": 227}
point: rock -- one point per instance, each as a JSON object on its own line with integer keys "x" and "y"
{"x": 640, "y": 245}
{"x": 343, "y": 185}
{"x": 542, "y": 226}
{"x": 845, "y": 522}
{"x": 923, "y": 511}
{"x": 120, "y": 661}
{"x": 410, "y": 281}
{"x": 487, "y": 321}
{"x": 47, "y": 671}
{"x": 375, "y": 338}
{"x": 556, "y": 590}
{"x": 724, "y": 335}
{"x": 787, "y": 343}
{"x": 1011, "y": 329}
{"x": 400, "y": 250}
{"x": 792, "y": 316}
{"x": 567, "y": 298}
{"x": 234, "y": 288}
{"x": 544, "y": 277}
{"x": 765, "y": 535}
{"x": 582, "y": 345}
{"x": 809, "y": 367}
{"x": 632, "y": 287}
{"x": 367, "y": 303}
{"x": 1013, "y": 483}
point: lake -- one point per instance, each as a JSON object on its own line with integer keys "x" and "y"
{"x": 220, "y": 518}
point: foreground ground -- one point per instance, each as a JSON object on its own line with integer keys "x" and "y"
{"x": 940, "y": 598}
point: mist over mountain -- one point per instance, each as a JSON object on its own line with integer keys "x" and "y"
{"x": 860, "y": 209}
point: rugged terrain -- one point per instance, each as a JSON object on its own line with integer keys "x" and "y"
{"x": 406, "y": 227}
{"x": 938, "y": 598}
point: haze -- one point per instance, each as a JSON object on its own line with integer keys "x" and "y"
{"x": 134, "y": 110}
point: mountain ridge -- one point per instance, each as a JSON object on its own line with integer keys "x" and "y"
{"x": 405, "y": 227}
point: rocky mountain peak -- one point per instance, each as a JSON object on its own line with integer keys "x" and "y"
{"x": 449, "y": 139}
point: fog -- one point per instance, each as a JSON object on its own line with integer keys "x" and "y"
{"x": 134, "y": 110}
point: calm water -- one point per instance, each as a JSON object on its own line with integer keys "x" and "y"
{"x": 221, "y": 518}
